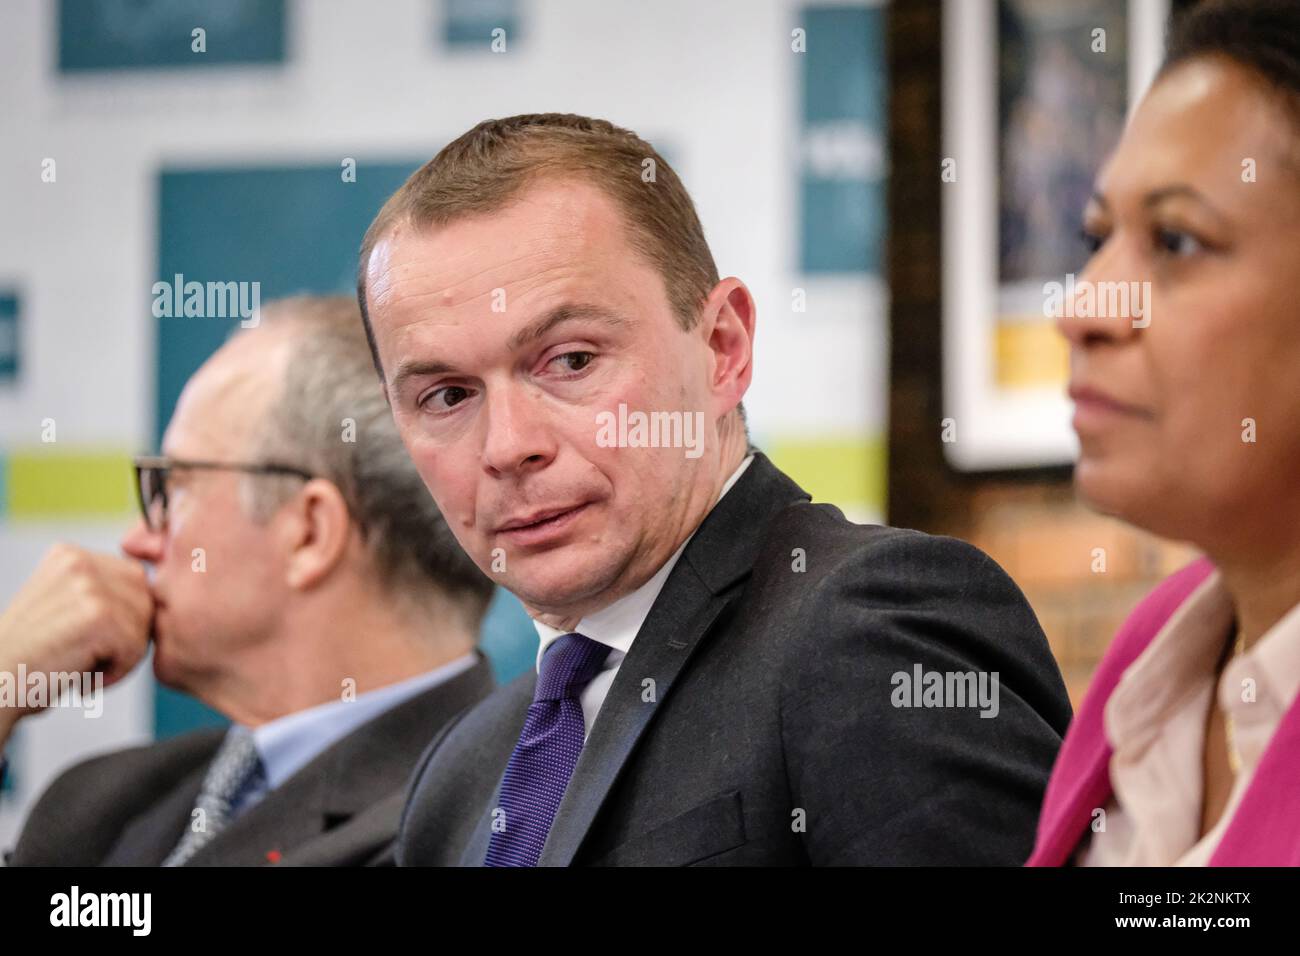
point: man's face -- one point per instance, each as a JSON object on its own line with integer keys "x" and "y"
{"x": 504, "y": 338}
{"x": 217, "y": 574}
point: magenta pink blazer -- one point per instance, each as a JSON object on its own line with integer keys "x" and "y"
{"x": 1265, "y": 830}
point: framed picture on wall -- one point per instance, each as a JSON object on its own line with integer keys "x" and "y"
{"x": 1035, "y": 96}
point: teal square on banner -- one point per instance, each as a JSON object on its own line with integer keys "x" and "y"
{"x": 842, "y": 140}
{"x": 289, "y": 229}
{"x": 469, "y": 24}
{"x": 145, "y": 34}
{"x": 10, "y": 341}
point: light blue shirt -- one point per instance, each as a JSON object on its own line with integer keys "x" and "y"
{"x": 289, "y": 743}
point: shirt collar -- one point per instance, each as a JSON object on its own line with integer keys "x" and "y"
{"x": 1178, "y": 662}
{"x": 289, "y": 743}
{"x": 1182, "y": 658}
{"x": 1272, "y": 667}
{"x": 617, "y": 624}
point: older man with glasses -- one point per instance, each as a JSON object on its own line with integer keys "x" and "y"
{"x": 302, "y": 584}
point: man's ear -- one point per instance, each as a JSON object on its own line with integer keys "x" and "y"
{"x": 318, "y": 526}
{"x": 728, "y": 316}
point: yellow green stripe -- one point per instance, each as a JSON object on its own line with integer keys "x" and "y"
{"x": 844, "y": 471}
{"x": 67, "y": 484}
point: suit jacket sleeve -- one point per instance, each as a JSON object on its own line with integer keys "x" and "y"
{"x": 884, "y": 783}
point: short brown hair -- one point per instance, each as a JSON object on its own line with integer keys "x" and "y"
{"x": 483, "y": 169}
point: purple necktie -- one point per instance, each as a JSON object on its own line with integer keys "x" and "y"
{"x": 548, "y": 748}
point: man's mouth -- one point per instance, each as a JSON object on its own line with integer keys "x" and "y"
{"x": 540, "y": 526}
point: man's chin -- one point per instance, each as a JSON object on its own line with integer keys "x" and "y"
{"x": 161, "y": 671}
{"x": 166, "y": 671}
{"x": 558, "y": 588}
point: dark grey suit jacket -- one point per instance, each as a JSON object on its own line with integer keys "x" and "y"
{"x": 753, "y": 721}
{"x": 129, "y": 808}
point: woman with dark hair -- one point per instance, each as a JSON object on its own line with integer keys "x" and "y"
{"x": 1186, "y": 749}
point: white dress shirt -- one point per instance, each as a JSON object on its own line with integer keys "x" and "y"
{"x": 617, "y": 625}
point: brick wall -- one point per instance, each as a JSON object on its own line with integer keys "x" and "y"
{"x": 1082, "y": 572}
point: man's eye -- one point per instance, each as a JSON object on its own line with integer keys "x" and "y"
{"x": 575, "y": 361}
{"x": 444, "y": 398}
{"x": 1177, "y": 242}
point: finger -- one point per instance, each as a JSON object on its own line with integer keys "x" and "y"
{"x": 128, "y": 584}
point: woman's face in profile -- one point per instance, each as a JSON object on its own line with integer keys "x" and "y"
{"x": 1188, "y": 403}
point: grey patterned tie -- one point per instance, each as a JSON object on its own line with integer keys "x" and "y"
{"x": 234, "y": 766}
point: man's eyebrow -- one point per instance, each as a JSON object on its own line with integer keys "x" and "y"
{"x": 564, "y": 313}
{"x": 409, "y": 370}
{"x": 405, "y": 371}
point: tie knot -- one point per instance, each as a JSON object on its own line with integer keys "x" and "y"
{"x": 568, "y": 666}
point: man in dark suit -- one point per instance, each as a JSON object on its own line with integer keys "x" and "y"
{"x": 303, "y": 585}
{"x": 129, "y": 808}
{"x": 727, "y": 673}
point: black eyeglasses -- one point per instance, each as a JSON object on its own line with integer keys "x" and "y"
{"x": 151, "y": 473}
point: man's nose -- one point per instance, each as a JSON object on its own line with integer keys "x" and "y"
{"x": 519, "y": 436}
{"x": 1109, "y": 302}
{"x": 141, "y": 543}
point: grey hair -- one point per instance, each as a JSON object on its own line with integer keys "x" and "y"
{"x": 331, "y": 419}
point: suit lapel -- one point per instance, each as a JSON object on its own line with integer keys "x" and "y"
{"x": 147, "y": 839}
{"x": 659, "y": 653}
{"x": 476, "y": 850}
{"x": 704, "y": 581}
{"x": 356, "y": 772}
{"x": 287, "y": 817}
